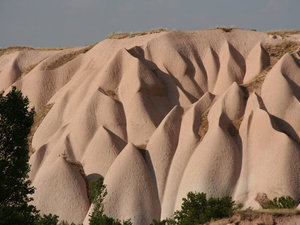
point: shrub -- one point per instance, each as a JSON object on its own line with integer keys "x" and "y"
{"x": 96, "y": 188}
{"x": 97, "y": 193}
{"x": 284, "y": 202}
{"x": 47, "y": 220}
{"x": 197, "y": 209}
{"x": 105, "y": 220}
{"x": 164, "y": 222}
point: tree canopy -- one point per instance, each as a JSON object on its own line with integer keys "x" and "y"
{"x": 16, "y": 119}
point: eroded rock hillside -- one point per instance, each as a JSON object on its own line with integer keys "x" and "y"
{"x": 159, "y": 115}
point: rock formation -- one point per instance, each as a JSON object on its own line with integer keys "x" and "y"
{"x": 160, "y": 115}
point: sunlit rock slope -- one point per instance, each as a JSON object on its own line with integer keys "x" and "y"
{"x": 159, "y": 115}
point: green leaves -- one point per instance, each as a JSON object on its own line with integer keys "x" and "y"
{"x": 197, "y": 209}
{"x": 283, "y": 202}
{"x": 97, "y": 194}
{"x": 15, "y": 122}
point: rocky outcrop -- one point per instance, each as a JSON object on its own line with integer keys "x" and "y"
{"x": 161, "y": 115}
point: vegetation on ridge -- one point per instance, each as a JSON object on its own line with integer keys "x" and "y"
{"x": 68, "y": 57}
{"x": 283, "y": 202}
{"x": 122, "y": 35}
{"x": 283, "y": 33}
{"x": 275, "y": 51}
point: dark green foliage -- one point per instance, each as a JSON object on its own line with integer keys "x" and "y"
{"x": 15, "y": 121}
{"x": 47, "y": 220}
{"x": 97, "y": 194}
{"x": 105, "y": 220}
{"x": 164, "y": 222}
{"x": 196, "y": 209}
{"x": 66, "y": 223}
{"x": 50, "y": 220}
{"x": 96, "y": 188}
{"x": 284, "y": 202}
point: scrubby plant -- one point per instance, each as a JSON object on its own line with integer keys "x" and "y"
{"x": 106, "y": 220}
{"x": 97, "y": 194}
{"x": 283, "y": 202}
{"x": 197, "y": 209}
{"x": 66, "y": 223}
{"x": 96, "y": 189}
{"x": 47, "y": 220}
{"x": 164, "y": 222}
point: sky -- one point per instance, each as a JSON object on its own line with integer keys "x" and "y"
{"x": 59, "y": 23}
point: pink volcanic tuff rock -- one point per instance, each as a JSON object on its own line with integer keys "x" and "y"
{"x": 162, "y": 146}
{"x": 211, "y": 61}
{"x": 36, "y": 161}
{"x": 281, "y": 93}
{"x": 48, "y": 81}
{"x": 214, "y": 166}
{"x": 102, "y": 111}
{"x": 154, "y": 91}
{"x": 131, "y": 187}
{"x": 145, "y": 100}
{"x": 256, "y": 61}
{"x": 187, "y": 141}
{"x": 61, "y": 190}
{"x": 264, "y": 147}
{"x": 101, "y": 152}
{"x": 16, "y": 64}
{"x": 232, "y": 68}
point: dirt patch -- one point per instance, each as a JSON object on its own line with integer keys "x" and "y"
{"x": 31, "y": 67}
{"x": 283, "y": 33}
{"x": 67, "y": 57}
{"x": 256, "y": 83}
{"x": 275, "y": 52}
{"x": 38, "y": 119}
{"x": 260, "y": 217}
{"x": 203, "y": 124}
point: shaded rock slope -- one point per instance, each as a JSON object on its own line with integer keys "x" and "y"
{"x": 158, "y": 116}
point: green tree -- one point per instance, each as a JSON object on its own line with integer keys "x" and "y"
{"x": 196, "y": 209}
{"x": 47, "y": 220}
{"x": 97, "y": 193}
{"x": 15, "y": 122}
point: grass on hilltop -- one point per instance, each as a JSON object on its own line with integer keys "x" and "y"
{"x": 68, "y": 57}
{"x": 283, "y": 33}
{"x": 122, "y": 35}
{"x": 275, "y": 52}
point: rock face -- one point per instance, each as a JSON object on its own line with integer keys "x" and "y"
{"x": 158, "y": 116}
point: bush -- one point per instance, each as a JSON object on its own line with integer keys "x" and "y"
{"x": 96, "y": 188}
{"x": 197, "y": 209}
{"x": 164, "y": 222}
{"x": 47, "y": 220}
{"x": 284, "y": 202}
{"x": 97, "y": 194}
{"x": 105, "y": 220}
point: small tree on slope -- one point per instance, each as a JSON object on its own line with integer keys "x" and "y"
{"x": 15, "y": 121}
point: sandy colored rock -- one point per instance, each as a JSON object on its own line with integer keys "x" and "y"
{"x": 180, "y": 98}
{"x": 214, "y": 166}
{"x": 130, "y": 181}
{"x": 66, "y": 193}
